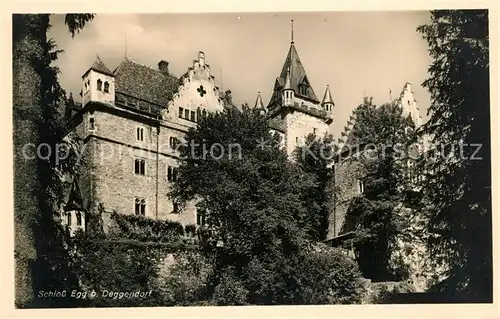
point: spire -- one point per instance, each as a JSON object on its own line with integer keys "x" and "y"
{"x": 75, "y": 200}
{"x": 295, "y": 70}
{"x": 258, "y": 103}
{"x": 327, "y": 98}
{"x": 292, "y": 34}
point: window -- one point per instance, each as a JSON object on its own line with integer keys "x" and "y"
{"x": 78, "y": 219}
{"x": 297, "y": 140}
{"x": 361, "y": 187}
{"x": 99, "y": 85}
{"x": 140, "y": 167}
{"x": 140, "y": 206}
{"x": 186, "y": 114}
{"x": 315, "y": 131}
{"x": 171, "y": 173}
{"x": 200, "y": 218}
{"x": 91, "y": 123}
{"x": 175, "y": 207}
{"x": 173, "y": 142}
{"x": 106, "y": 87}
{"x": 193, "y": 118}
{"x": 303, "y": 90}
{"x": 140, "y": 134}
{"x": 68, "y": 216}
{"x": 181, "y": 112}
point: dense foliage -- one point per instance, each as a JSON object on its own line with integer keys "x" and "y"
{"x": 258, "y": 232}
{"x": 376, "y": 212}
{"x": 41, "y": 258}
{"x": 315, "y": 158}
{"x": 458, "y": 188}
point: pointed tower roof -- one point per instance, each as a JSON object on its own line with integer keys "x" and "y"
{"x": 327, "y": 98}
{"x": 99, "y": 66}
{"x": 258, "y": 103}
{"x": 75, "y": 199}
{"x": 298, "y": 75}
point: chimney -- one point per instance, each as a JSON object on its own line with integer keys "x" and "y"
{"x": 163, "y": 67}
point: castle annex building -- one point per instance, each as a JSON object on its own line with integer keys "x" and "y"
{"x": 132, "y": 118}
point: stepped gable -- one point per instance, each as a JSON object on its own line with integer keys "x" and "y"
{"x": 347, "y": 136}
{"x": 145, "y": 83}
{"x": 198, "y": 73}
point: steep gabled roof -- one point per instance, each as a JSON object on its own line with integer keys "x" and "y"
{"x": 75, "y": 199}
{"x": 145, "y": 83}
{"x": 297, "y": 74}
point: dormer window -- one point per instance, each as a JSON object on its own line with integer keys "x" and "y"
{"x": 99, "y": 85}
{"x": 106, "y": 87}
{"x": 303, "y": 90}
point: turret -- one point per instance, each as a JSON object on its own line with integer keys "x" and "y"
{"x": 287, "y": 92}
{"x": 327, "y": 104}
{"x": 98, "y": 84}
{"x": 259, "y": 105}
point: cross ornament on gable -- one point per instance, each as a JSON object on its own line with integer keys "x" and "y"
{"x": 201, "y": 90}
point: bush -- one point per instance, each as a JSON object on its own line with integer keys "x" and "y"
{"x": 230, "y": 290}
{"x": 183, "y": 279}
{"x": 104, "y": 265}
{"x": 328, "y": 276}
{"x": 311, "y": 277}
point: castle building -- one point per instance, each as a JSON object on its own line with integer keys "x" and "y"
{"x": 132, "y": 119}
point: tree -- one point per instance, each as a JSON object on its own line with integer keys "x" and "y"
{"x": 315, "y": 158}
{"x": 250, "y": 191}
{"x": 376, "y": 211}
{"x": 256, "y": 213}
{"x": 35, "y": 95}
{"x": 459, "y": 186}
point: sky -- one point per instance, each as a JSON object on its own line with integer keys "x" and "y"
{"x": 356, "y": 53}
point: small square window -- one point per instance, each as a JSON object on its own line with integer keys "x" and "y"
{"x": 171, "y": 173}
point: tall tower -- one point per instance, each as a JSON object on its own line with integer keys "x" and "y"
{"x": 295, "y": 105}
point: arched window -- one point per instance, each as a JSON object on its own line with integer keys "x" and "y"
{"x": 106, "y": 87}
{"x": 99, "y": 85}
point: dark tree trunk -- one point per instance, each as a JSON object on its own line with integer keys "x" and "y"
{"x": 29, "y": 37}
